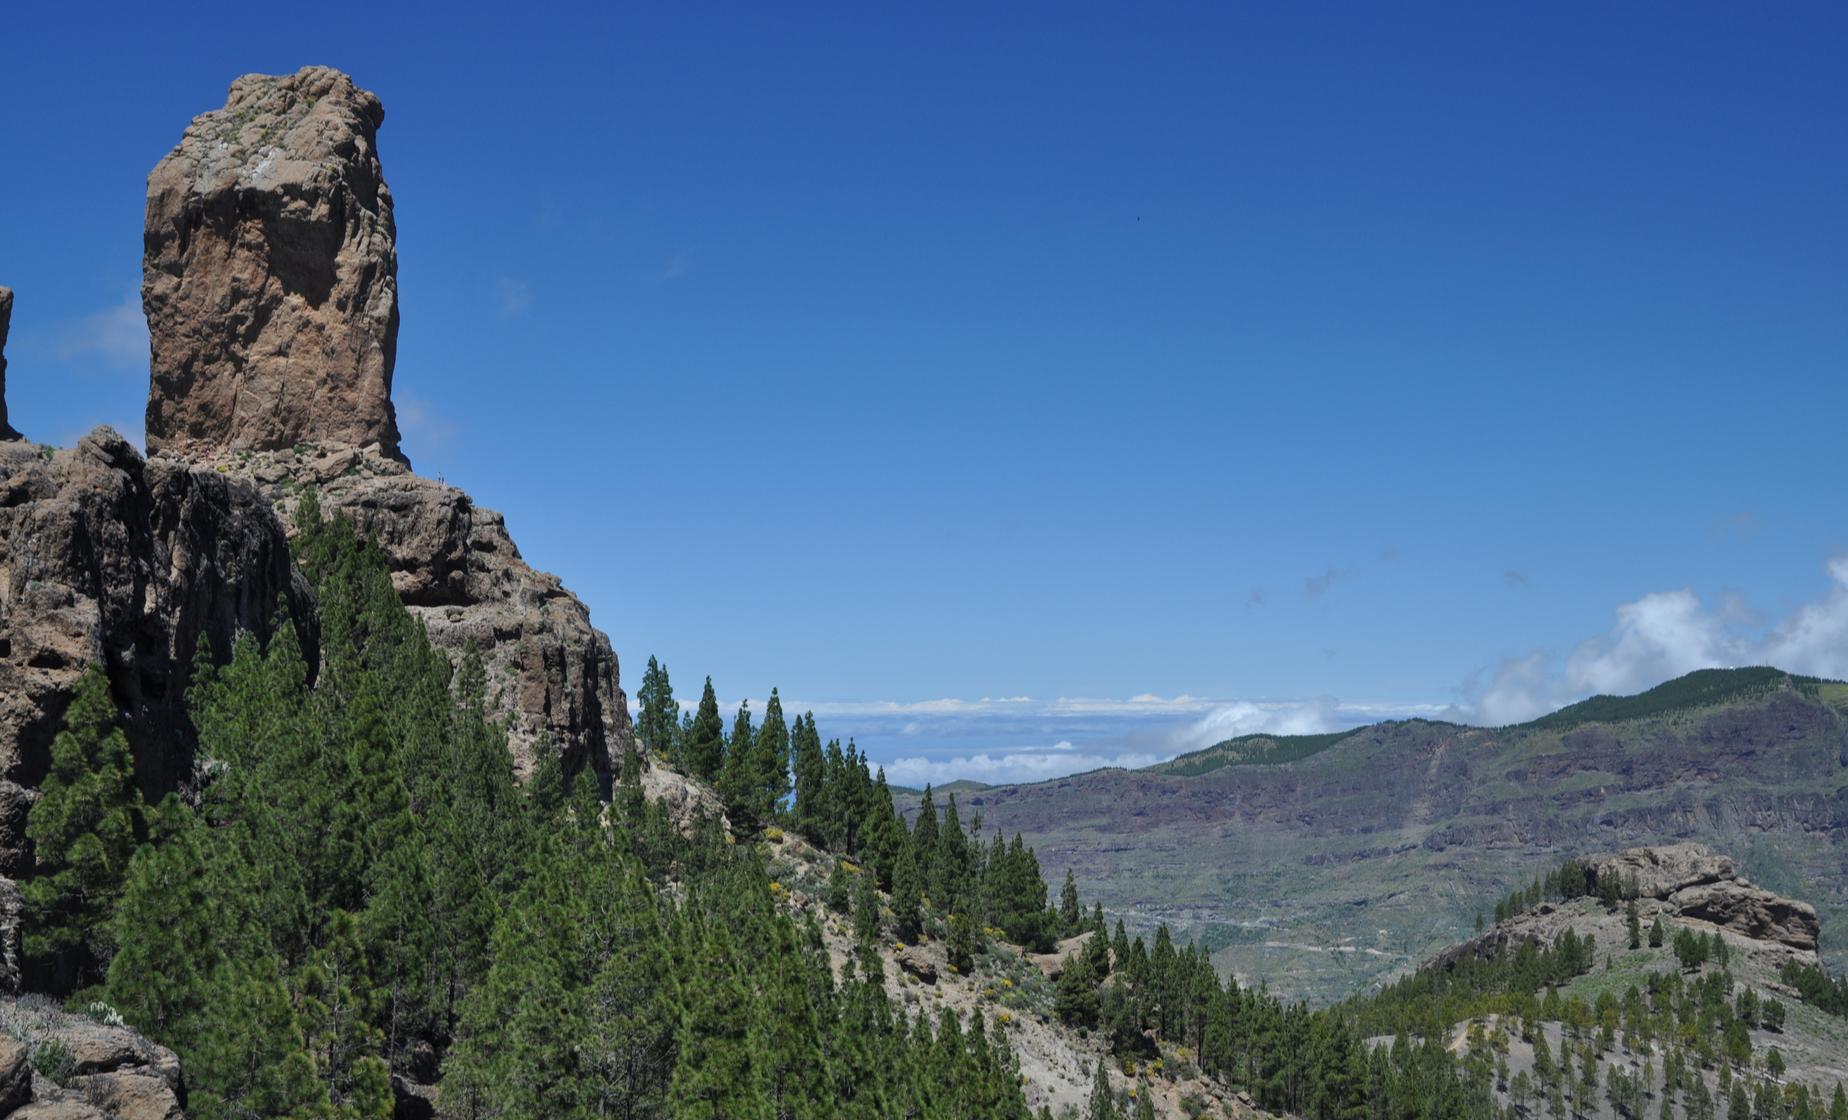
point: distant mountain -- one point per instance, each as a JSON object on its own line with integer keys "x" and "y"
{"x": 1323, "y": 864}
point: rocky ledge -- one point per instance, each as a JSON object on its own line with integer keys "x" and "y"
{"x": 1685, "y": 884}
{"x": 59, "y": 1066}
{"x": 458, "y": 569}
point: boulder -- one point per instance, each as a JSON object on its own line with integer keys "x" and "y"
{"x": 913, "y": 959}
{"x": 130, "y": 1095}
{"x": 15, "y": 1074}
{"x": 270, "y": 272}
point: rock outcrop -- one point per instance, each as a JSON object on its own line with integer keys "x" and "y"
{"x": 270, "y": 273}
{"x": 1685, "y": 884}
{"x": 110, "y": 559}
{"x": 457, "y": 568}
{"x": 86, "y": 1068}
{"x": 270, "y": 286}
{"x": 6, "y": 320}
{"x": 1701, "y": 884}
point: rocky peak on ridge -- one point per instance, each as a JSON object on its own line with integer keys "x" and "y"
{"x": 270, "y": 284}
{"x": 270, "y": 273}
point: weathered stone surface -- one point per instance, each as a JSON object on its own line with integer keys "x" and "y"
{"x": 914, "y": 960}
{"x": 111, "y": 1071}
{"x": 269, "y": 272}
{"x": 270, "y": 285}
{"x": 1699, "y": 883}
{"x": 130, "y": 1095}
{"x": 15, "y": 1074}
{"x": 107, "y": 558}
{"x": 457, "y": 568}
{"x": 1684, "y": 884}
{"x": 6, "y": 319}
{"x": 1661, "y": 871}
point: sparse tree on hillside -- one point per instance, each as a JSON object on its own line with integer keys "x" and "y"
{"x": 658, "y": 722}
{"x": 1103, "y": 1102}
{"x": 1656, "y": 933}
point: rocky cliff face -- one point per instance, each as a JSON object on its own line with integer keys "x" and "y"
{"x": 457, "y": 568}
{"x": 6, "y": 319}
{"x": 270, "y": 285}
{"x": 270, "y": 273}
{"x": 106, "y": 558}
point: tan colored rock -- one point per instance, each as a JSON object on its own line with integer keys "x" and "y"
{"x": 1660, "y": 871}
{"x": 6, "y": 319}
{"x": 130, "y": 1095}
{"x": 1699, "y": 883}
{"x": 269, "y": 273}
{"x": 15, "y": 1074}
{"x": 107, "y": 558}
{"x": 1052, "y": 964}
{"x": 914, "y": 960}
{"x": 67, "y": 1108}
{"x": 454, "y": 564}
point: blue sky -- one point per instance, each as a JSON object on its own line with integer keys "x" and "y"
{"x": 1281, "y": 365}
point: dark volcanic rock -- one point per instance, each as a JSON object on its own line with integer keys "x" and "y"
{"x": 270, "y": 272}
{"x": 6, "y": 319}
{"x": 107, "y": 558}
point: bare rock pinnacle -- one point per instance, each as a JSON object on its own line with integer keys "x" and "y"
{"x": 269, "y": 273}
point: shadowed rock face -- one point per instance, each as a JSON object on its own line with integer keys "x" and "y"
{"x": 6, "y": 318}
{"x": 109, "y": 559}
{"x": 269, "y": 273}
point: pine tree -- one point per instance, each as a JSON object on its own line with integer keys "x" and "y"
{"x": 1656, "y": 933}
{"x": 1069, "y": 911}
{"x": 770, "y": 754}
{"x": 907, "y": 894}
{"x": 84, "y": 827}
{"x": 703, "y": 752}
{"x": 738, "y": 776}
{"x": 658, "y": 721}
{"x": 812, "y": 810}
{"x": 1103, "y": 1102}
{"x": 1633, "y": 924}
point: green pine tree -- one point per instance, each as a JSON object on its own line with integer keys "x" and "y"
{"x": 658, "y": 720}
{"x": 84, "y": 828}
{"x": 703, "y": 751}
{"x": 1103, "y": 1102}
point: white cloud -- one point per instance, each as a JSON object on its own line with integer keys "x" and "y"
{"x": 1658, "y": 637}
{"x": 117, "y": 336}
{"x": 1814, "y": 639}
{"x": 1005, "y": 768}
{"x": 1662, "y": 636}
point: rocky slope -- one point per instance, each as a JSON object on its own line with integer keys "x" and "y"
{"x": 1325, "y": 874}
{"x": 1686, "y": 887}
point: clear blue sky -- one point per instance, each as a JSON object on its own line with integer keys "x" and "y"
{"x": 1394, "y": 355}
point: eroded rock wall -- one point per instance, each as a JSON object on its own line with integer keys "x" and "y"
{"x": 107, "y": 558}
